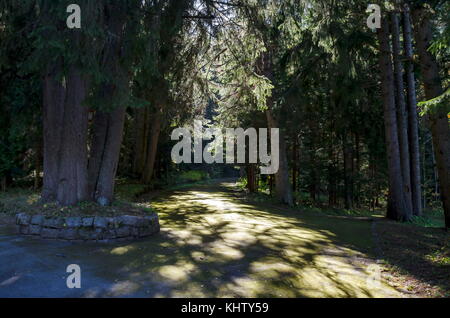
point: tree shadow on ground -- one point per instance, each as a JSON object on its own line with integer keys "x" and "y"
{"x": 421, "y": 254}
{"x": 214, "y": 243}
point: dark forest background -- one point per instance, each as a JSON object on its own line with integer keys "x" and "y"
{"x": 364, "y": 115}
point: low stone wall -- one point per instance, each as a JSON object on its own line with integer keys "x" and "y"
{"x": 101, "y": 229}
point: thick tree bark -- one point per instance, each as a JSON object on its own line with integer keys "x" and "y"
{"x": 105, "y": 151}
{"x": 152, "y": 148}
{"x": 332, "y": 158}
{"x": 413, "y": 126}
{"x": 72, "y": 184}
{"x": 437, "y": 117}
{"x": 109, "y": 125}
{"x": 294, "y": 164}
{"x": 66, "y": 175}
{"x": 65, "y": 136}
{"x": 357, "y": 172}
{"x": 251, "y": 178}
{"x": 396, "y": 205}
{"x": 401, "y": 112}
{"x": 141, "y": 135}
{"x": 314, "y": 180}
{"x": 3, "y": 184}
{"x": 54, "y": 95}
{"x": 283, "y": 190}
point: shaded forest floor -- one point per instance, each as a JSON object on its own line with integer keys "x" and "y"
{"x": 217, "y": 242}
{"x": 416, "y": 259}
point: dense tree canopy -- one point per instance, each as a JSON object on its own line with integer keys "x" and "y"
{"x": 363, "y": 115}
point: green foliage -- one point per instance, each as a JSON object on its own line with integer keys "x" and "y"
{"x": 20, "y": 98}
{"x": 192, "y": 176}
{"x": 430, "y": 218}
{"x": 313, "y": 63}
{"x": 438, "y": 102}
{"x": 242, "y": 183}
{"x": 127, "y": 190}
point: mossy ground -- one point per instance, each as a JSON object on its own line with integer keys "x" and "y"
{"x": 216, "y": 243}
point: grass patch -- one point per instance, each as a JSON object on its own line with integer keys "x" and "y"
{"x": 344, "y": 212}
{"x": 127, "y": 190}
{"x": 16, "y": 200}
{"x": 193, "y": 176}
{"x": 430, "y": 218}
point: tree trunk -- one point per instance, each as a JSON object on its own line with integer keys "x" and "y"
{"x": 108, "y": 125}
{"x": 332, "y": 186}
{"x": 73, "y": 176}
{"x": 65, "y": 136}
{"x": 437, "y": 117}
{"x": 283, "y": 190}
{"x": 413, "y": 126}
{"x": 396, "y": 205}
{"x": 141, "y": 134}
{"x": 357, "y": 172}
{"x": 436, "y": 190}
{"x": 294, "y": 164}
{"x": 54, "y": 95}
{"x": 37, "y": 164}
{"x": 401, "y": 112}
{"x": 332, "y": 158}
{"x": 105, "y": 152}
{"x": 66, "y": 175}
{"x": 152, "y": 147}
{"x": 314, "y": 185}
{"x": 251, "y": 178}
{"x": 348, "y": 177}
{"x": 424, "y": 173}
{"x": 3, "y": 184}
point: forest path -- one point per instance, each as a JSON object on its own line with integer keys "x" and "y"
{"x": 213, "y": 243}
{"x": 228, "y": 246}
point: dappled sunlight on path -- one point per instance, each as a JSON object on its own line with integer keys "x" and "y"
{"x": 214, "y": 243}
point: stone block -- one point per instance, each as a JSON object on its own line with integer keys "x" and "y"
{"x": 24, "y": 229}
{"x": 123, "y": 231}
{"x": 100, "y": 222}
{"x": 110, "y": 234}
{"x": 53, "y": 223}
{"x": 99, "y": 233}
{"x": 35, "y": 229}
{"x": 69, "y": 234}
{"x": 23, "y": 219}
{"x": 111, "y": 223}
{"x": 87, "y": 234}
{"x": 88, "y": 222}
{"x": 134, "y": 231}
{"x": 37, "y": 219}
{"x": 128, "y": 220}
{"x": 73, "y": 222}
